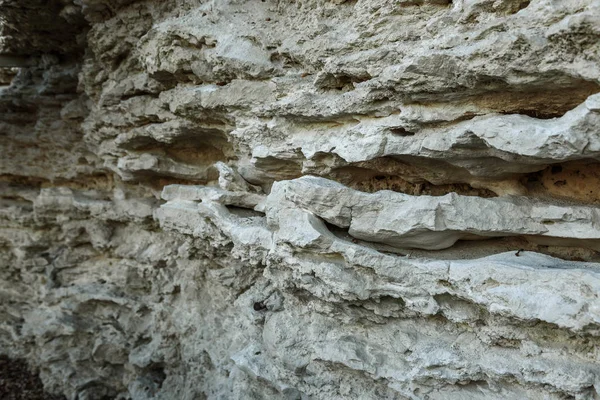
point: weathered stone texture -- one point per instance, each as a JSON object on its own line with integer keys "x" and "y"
{"x": 303, "y": 199}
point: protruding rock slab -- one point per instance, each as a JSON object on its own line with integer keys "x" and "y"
{"x": 437, "y": 222}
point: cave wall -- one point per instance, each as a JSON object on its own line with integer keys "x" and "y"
{"x": 302, "y": 199}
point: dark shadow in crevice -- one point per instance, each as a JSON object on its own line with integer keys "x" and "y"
{"x": 400, "y": 131}
{"x": 474, "y": 249}
{"x": 244, "y": 212}
{"x": 339, "y": 81}
{"x": 387, "y": 173}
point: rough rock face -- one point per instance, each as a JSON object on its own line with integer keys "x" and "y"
{"x": 303, "y": 199}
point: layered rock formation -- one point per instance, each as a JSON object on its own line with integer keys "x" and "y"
{"x": 302, "y": 200}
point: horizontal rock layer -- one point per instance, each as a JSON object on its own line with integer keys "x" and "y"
{"x": 302, "y": 200}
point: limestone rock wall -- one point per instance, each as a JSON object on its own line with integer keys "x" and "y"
{"x": 302, "y": 199}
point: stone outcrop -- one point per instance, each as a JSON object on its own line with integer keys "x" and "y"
{"x": 302, "y": 200}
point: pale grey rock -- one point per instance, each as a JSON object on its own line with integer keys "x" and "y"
{"x": 553, "y": 291}
{"x": 231, "y": 180}
{"x": 479, "y": 151}
{"x": 435, "y": 223}
{"x": 194, "y": 193}
{"x": 299, "y": 200}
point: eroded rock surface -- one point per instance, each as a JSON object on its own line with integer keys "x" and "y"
{"x": 302, "y": 200}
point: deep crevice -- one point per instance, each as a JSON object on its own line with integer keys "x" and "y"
{"x": 474, "y": 249}
{"x": 400, "y": 131}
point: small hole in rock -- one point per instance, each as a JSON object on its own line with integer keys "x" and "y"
{"x": 556, "y": 169}
{"x": 400, "y": 131}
